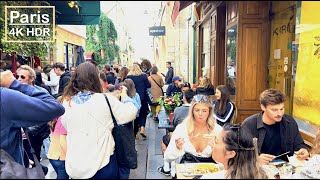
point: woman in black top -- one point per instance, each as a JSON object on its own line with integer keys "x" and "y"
{"x": 223, "y": 108}
{"x": 205, "y": 87}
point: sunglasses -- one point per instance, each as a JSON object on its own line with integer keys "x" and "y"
{"x": 237, "y": 127}
{"x": 201, "y": 98}
{"x": 22, "y": 76}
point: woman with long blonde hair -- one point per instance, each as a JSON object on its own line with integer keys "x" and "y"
{"x": 189, "y": 140}
{"x": 142, "y": 83}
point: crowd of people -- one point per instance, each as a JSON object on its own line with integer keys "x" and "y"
{"x": 65, "y": 112}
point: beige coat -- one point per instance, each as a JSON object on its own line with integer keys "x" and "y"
{"x": 155, "y": 89}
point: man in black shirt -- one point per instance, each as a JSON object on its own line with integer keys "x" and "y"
{"x": 169, "y": 75}
{"x": 276, "y": 132}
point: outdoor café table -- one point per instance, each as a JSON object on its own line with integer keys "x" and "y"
{"x": 164, "y": 122}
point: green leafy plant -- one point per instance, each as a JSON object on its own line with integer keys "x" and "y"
{"x": 103, "y": 37}
{"x": 170, "y": 103}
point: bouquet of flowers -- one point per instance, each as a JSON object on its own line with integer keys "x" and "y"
{"x": 170, "y": 103}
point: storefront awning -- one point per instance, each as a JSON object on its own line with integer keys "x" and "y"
{"x": 87, "y": 14}
{"x": 179, "y": 6}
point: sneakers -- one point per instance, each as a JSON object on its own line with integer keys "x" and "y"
{"x": 161, "y": 171}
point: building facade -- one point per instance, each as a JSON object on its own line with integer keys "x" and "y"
{"x": 255, "y": 45}
{"x": 177, "y": 44}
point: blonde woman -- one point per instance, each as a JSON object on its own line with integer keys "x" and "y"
{"x": 142, "y": 83}
{"x": 205, "y": 87}
{"x": 190, "y": 138}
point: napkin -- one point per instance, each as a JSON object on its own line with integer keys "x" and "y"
{"x": 296, "y": 162}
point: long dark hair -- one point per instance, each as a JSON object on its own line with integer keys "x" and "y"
{"x": 85, "y": 78}
{"x": 223, "y": 101}
{"x": 244, "y": 165}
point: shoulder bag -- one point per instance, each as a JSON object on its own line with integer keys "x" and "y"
{"x": 158, "y": 85}
{"x": 124, "y": 142}
{"x": 9, "y": 169}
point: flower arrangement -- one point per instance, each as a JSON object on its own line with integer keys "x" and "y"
{"x": 170, "y": 103}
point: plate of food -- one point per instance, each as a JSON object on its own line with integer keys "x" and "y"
{"x": 196, "y": 169}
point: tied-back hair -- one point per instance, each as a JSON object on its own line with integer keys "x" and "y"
{"x": 316, "y": 145}
{"x": 223, "y": 101}
{"x": 129, "y": 84}
{"x": 190, "y": 120}
{"x": 85, "y": 78}
{"x": 244, "y": 165}
{"x": 135, "y": 70}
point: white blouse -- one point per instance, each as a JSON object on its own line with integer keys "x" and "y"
{"x": 89, "y": 124}
{"x": 172, "y": 153}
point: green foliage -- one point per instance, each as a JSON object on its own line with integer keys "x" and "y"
{"x": 25, "y": 49}
{"x": 103, "y": 37}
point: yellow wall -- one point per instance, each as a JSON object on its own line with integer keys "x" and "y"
{"x": 62, "y": 37}
{"x": 282, "y": 35}
{"x": 306, "y": 101}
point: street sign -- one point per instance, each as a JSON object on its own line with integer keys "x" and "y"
{"x": 157, "y": 31}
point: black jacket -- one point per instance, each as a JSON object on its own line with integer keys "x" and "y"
{"x": 169, "y": 76}
{"x": 64, "y": 79}
{"x": 206, "y": 91}
{"x": 111, "y": 78}
{"x": 291, "y": 139}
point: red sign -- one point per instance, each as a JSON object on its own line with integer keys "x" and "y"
{"x": 175, "y": 11}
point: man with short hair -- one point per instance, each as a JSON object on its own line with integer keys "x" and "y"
{"x": 65, "y": 77}
{"x": 39, "y": 132}
{"x": 38, "y": 107}
{"x": 52, "y": 82}
{"x": 111, "y": 78}
{"x": 277, "y": 132}
{"x": 170, "y": 73}
{"x": 175, "y": 86}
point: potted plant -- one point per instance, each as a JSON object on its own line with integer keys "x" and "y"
{"x": 170, "y": 103}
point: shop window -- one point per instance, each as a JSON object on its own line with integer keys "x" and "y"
{"x": 231, "y": 59}
{"x": 305, "y": 70}
{"x": 205, "y": 63}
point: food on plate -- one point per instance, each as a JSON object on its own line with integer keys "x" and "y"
{"x": 204, "y": 169}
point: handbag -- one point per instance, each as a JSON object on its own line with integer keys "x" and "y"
{"x": 150, "y": 96}
{"x": 124, "y": 143}
{"x": 9, "y": 169}
{"x": 158, "y": 85}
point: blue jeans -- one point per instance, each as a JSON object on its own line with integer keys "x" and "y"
{"x": 110, "y": 171}
{"x": 60, "y": 168}
{"x": 124, "y": 172}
